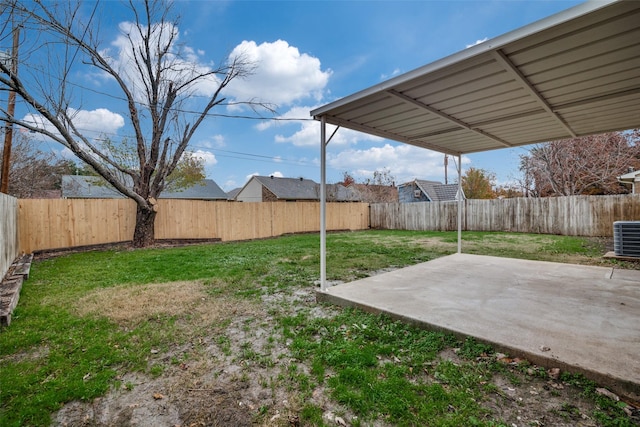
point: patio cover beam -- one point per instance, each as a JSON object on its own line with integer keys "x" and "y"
{"x": 511, "y": 69}
{"x": 445, "y": 116}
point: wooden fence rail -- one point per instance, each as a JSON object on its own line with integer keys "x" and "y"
{"x": 8, "y": 232}
{"x": 63, "y": 223}
{"x": 572, "y": 216}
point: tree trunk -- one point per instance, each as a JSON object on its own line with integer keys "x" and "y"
{"x": 144, "y": 234}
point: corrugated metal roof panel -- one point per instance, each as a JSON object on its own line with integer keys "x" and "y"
{"x": 593, "y": 32}
{"x": 459, "y": 83}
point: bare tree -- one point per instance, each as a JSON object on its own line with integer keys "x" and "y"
{"x": 587, "y": 165}
{"x": 35, "y": 173}
{"x": 156, "y": 81}
{"x": 380, "y": 188}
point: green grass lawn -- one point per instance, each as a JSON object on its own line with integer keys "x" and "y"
{"x": 64, "y": 345}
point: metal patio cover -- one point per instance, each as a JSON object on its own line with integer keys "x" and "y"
{"x": 572, "y": 74}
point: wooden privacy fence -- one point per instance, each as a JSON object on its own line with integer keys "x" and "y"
{"x": 63, "y": 223}
{"x": 572, "y": 216}
{"x": 8, "y": 232}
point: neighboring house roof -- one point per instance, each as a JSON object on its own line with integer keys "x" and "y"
{"x": 231, "y": 194}
{"x": 290, "y": 188}
{"x": 87, "y": 187}
{"x": 94, "y": 187}
{"x": 632, "y": 178}
{"x": 206, "y": 190}
{"x": 436, "y": 191}
{"x": 307, "y": 189}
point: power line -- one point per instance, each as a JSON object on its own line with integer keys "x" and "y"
{"x": 180, "y": 110}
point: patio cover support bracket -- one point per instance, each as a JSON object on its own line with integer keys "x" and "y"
{"x": 511, "y": 69}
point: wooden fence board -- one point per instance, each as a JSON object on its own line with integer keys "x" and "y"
{"x": 572, "y": 216}
{"x": 185, "y": 219}
{"x": 63, "y": 223}
{"x": 8, "y": 232}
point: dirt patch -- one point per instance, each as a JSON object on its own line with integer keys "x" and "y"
{"x": 436, "y": 244}
{"x": 241, "y": 373}
{"x": 539, "y": 403}
{"x": 151, "y": 403}
{"x": 236, "y": 375}
{"x": 136, "y": 303}
{"x": 33, "y": 355}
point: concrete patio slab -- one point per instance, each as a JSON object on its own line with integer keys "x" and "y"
{"x": 578, "y": 318}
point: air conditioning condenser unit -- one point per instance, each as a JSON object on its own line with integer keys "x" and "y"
{"x": 626, "y": 238}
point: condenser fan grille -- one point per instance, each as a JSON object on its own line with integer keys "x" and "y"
{"x": 626, "y": 238}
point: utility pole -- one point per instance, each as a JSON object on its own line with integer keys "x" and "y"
{"x": 446, "y": 166}
{"x": 11, "y": 108}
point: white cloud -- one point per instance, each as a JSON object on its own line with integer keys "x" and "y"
{"x": 99, "y": 120}
{"x": 229, "y": 185}
{"x": 276, "y": 174}
{"x": 283, "y": 75}
{"x": 394, "y": 73}
{"x": 404, "y": 162}
{"x": 308, "y": 134}
{"x": 66, "y": 154}
{"x": 477, "y": 42}
{"x": 208, "y": 157}
{"x": 291, "y": 116}
{"x": 181, "y": 63}
{"x": 91, "y": 124}
{"x": 214, "y": 141}
{"x": 219, "y": 141}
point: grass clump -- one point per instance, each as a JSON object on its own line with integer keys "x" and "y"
{"x": 67, "y": 359}
{"x": 383, "y": 369}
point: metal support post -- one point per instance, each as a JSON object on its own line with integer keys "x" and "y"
{"x": 459, "y": 204}
{"x": 323, "y": 204}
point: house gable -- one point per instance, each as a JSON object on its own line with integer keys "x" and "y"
{"x": 251, "y": 192}
{"x": 290, "y": 188}
{"x": 271, "y": 188}
{"x": 427, "y": 191}
{"x": 410, "y": 192}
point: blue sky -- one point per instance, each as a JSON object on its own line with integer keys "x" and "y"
{"x": 310, "y": 53}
